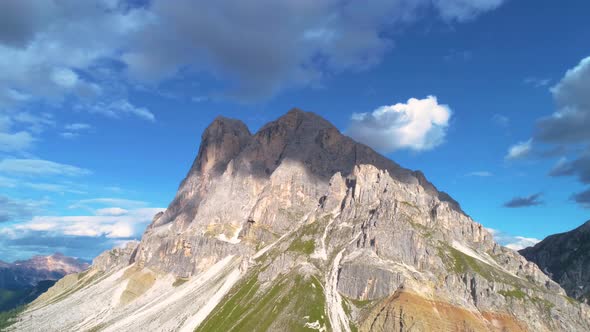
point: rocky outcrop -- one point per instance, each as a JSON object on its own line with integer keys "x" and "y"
{"x": 116, "y": 258}
{"x": 565, "y": 258}
{"x": 298, "y": 227}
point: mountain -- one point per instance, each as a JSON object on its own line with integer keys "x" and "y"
{"x": 24, "y": 280}
{"x": 565, "y": 258}
{"x": 299, "y": 228}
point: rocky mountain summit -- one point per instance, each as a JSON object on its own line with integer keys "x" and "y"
{"x": 29, "y": 272}
{"x": 565, "y": 258}
{"x": 23, "y": 280}
{"x": 299, "y": 228}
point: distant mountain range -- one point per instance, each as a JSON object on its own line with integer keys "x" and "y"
{"x": 297, "y": 227}
{"x": 24, "y": 280}
{"x": 565, "y": 258}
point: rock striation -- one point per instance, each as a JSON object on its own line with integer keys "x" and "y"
{"x": 565, "y": 258}
{"x": 297, "y": 227}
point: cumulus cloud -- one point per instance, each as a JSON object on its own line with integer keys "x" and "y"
{"x": 513, "y": 242}
{"x": 419, "y": 124}
{"x": 567, "y": 128}
{"x": 572, "y": 97}
{"x": 518, "y": 202}
{"x": 520, "y": 150}
{"x": 44, "y": 43}
{"x": 37, "y": 167}
{"x": 47, "y": 48}
{"x": 579, "y": 167}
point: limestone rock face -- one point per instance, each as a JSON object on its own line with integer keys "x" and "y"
{"x": 298, "y": 227}
{"x": 116, "y": 258}
{"x": 565, "y": 258}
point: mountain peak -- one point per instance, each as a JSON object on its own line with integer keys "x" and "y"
{"x": 295, "y": 117}
{"x": 299, "y": 226}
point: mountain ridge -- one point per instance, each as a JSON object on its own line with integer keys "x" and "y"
{"x": 297, "y": 227}
{"x": 565, "y": 257}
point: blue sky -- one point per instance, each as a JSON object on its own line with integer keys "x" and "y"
{"x": 102, "y": 104}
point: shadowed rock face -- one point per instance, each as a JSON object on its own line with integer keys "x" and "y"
{"x": 298, "y": 227}
{"x": 565, "y": 258}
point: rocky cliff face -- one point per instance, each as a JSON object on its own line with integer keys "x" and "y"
{"x": 566, "y": 259}
{"x": 299, "y": 228}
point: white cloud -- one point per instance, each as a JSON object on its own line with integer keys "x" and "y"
{"x": 420, "y": 124}
{"x": 74, "y": 130}
{"x": 118, "y": 108}
{"x": 125, "y": 225}
{"x": 77, "y": 126}
{"x": 501, "y": 120}
{"x": 47, "y": 46}
{"x": 108, "y": 202}
{"x": 64, "y": 77}
{"x": 511, "y": 241}
{"x": 10, "y": 142}
{"x": 43, "y": 42}
{"x": 537, "y": 82}
{"x": 520, "y": 150}
{"x": 112, "y": 211}
{"x": 36, "y": 167}
{"x": 462, "y": 10}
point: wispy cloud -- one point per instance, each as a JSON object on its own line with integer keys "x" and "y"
{"x": 520, "y": 150}
{"x": 117, "y": 109}
{"x": 36, "y": 167}
{"x": 513, "y": 242}
{"x": 480, "y": 174}
{"x": 93, "y": 203}
{"x": 501, "y": 120}
{"x": 53, "y": 187}
{"x": 10, "y": 142}
{"x": 537, "y": 82}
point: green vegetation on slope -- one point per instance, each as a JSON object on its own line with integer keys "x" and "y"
{"x": 8, "y": 318}
{"x": 288, "y": 303}
{"x": 460, "y": 263}
{"x": 12, "y": 298}
{"x": 305, "y": 247}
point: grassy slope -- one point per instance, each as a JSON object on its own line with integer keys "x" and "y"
{"x": 289, "y": 302}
